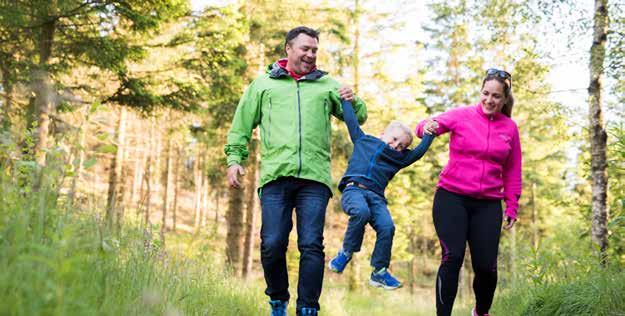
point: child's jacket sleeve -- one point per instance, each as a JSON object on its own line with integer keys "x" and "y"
{"x": 419, "y": 151}
{"x": 351, "y": 121}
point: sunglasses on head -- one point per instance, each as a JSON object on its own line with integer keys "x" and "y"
{"x": 500, "y": 73}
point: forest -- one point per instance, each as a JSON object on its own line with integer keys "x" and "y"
{"x": 114, "y": 115}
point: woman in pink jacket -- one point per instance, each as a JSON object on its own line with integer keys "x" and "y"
{"x": 484, "y": 168}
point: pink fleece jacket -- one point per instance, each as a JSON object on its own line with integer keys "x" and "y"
{"x": 484, "y": 155}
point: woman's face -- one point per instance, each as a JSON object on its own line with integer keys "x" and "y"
{"x": 492, "y": 97}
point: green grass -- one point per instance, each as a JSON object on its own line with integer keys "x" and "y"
{"x": 599, "y": 293}
{"x": 56, "y": 262}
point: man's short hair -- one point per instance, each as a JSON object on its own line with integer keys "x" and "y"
{"x": 402, "y": 127}
{"x": 299, "y": 30}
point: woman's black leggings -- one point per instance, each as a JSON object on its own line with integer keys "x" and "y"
{"x": 458, "y": 219}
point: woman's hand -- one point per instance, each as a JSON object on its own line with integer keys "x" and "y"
{"x": 430, "y": 126}
{"x": 509, "y": 223}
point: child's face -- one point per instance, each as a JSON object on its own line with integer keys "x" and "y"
{"x": 396, "y": 138}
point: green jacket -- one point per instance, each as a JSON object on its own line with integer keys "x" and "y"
{"x": 294, "y": 119}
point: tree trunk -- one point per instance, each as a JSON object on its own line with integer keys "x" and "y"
{"x": 598, "y": 135}
{"x": 116, "y": 169}
{"x": 137, "y": 185}
{"x": 166, "y": 181}
{"x": 157, "y": 172}
{"x": 147, "y": 176}
{"x": 148, "y": 189}
{"x": 412, "y": 267}
{"x": 198, "y": 189}
{"x": 174, "y": 208}
{"x": 356, "y": 53}
{"x": 217, "y": 191}
{"x": 79, "y": 159}
{"x": 234, "y": 219}
{"x": 43, "y": 88}
{"x": 534, "y": 217}
{"x": 251, "y": 207}
{"x": 464, "y": 286}
{"x": 7, "y": 86}
{"x": 513, "y": 256}
{"x": 204, "y": 199}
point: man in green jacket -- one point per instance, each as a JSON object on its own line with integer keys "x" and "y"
{"x": 292, "y": 103}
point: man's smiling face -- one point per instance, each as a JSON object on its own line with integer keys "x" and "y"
{"x": 301, "y": 53}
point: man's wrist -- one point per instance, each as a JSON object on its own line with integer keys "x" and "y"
{"x": 233, "y": 161}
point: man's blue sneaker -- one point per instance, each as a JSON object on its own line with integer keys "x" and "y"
{"x": 384, "y": 280}
{"x": 278, "y": 307}
{"x": 307, "y": 311}
{"x": 338, "y": 263}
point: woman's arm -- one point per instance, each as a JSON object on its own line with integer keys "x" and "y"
{"x": 446, "y": 122}
{"x": 512, "y": 177}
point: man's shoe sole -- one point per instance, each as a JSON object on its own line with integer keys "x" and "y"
{"x": 382, "y": 285}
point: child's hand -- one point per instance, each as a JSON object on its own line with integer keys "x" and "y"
{"x": 430, "y": 126}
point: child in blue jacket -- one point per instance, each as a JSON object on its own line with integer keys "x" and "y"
{"x": 372, "y": 165}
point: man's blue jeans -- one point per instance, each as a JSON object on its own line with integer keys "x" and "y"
{"x": 310, "y": 199}
{"x": 366, "y": 207}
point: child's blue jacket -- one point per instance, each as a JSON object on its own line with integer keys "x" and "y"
{"x": 373, "y": 163}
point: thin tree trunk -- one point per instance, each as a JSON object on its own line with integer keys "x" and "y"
{"x": 465, "y": 276}
{"x": 204, "y": 199}
{"x": 174, "y": 208}
{"x": 43, "y": 87}
{"x": 148, "y": 175}
{"x": 356, "y": 53}
{"x": 251, "y": 207}
{"x": 413, "y": 264}
{"x": 598, "y": 135}
{"x": 137, "y": 186}
{"x": 157, "y": 172}
{"x": 218, "y": 194}
{"x": 234, "y": 218}
{"x": 148, "y": 191}
{"x": 166, "y": 181}
{"x": 80, "y": 158}
{"x": 116, "y": 168}
{"x": 513, "y": 255}
{"x": 198, "y": 190}
{"x": 534, "y": 216}
{"x": 7, "y": 86}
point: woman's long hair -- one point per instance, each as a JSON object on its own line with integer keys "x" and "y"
{"x": 509, "y": 103}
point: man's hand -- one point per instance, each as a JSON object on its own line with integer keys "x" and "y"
{"x": 233, "y": 175}
{"x": 346, "y": 93}
{"x": 430, "y": 126}
{"x": 509, "y": 223}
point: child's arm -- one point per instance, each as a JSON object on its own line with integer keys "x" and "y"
{"x": 419, "y": 151}
{"x": 351, "y": 121}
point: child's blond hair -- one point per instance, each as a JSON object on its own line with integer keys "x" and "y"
{"x": 401, "y": 126}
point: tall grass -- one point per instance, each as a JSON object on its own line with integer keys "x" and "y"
{"x": 56, "y": 261}
{"x": 564, "y": 277}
